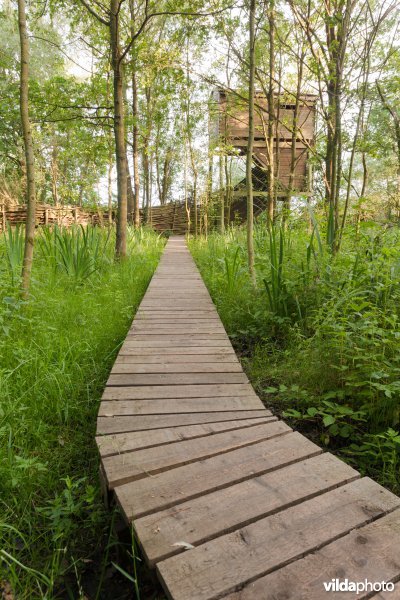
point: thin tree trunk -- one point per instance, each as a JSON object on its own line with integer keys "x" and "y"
{"x": 54, "y": 173}
{"x": 130, "y": 195}
{"x": 221, "y": 194}
{"x": 363, "y": 188}
{"x": 271, "y": 113}
{"x": 209, "y": 190}
{"x": 109, "y": 188}
{"x": 135, "y": 127}
{"x": 185, "y": 183}
{"x": 166, "y": 178}
{"x": 110, "y": 155}
{"x": 195, "y": 176}
{"x": 228, "y": 190}
{"x": 29, "y": 153}
{"x": 135, "y": 148}
{"x": 250, "y": 143}
{"x": 295, "y": 130}
{"x": 119, "y": 131}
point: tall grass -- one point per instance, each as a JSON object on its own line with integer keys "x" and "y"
{"x": 78, "y": 251}
{"x": 318, "y": 328}
{"x": 56, "y": 350}
{"x": 12, "y": 249}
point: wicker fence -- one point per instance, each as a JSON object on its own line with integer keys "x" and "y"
{"x": 172, "y": 217}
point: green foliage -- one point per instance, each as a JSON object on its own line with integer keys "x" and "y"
{"x": 13, "y": 250}
{"x": 338, "y": 419}
{"x": 275, "y": 285}
{"x": 378, "y": 454}
{"x": 321, "y": 333}
{"x": 233, "y": 268}
{"x": 56, "y": 350}
{"x": 76, "y": 251}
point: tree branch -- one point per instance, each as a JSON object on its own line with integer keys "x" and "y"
{"x": 94, "y": 13}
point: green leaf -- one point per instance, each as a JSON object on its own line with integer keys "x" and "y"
{"x": 312, "y": 411}
{"x": 328, "y": 420}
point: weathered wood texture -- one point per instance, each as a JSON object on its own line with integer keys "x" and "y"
{"x": 171, "y": 217}
{"x": 232, "y": 127}
{"x": 196, "y": 461}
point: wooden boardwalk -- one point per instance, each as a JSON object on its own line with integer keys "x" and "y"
{"x": 227, "y": 501}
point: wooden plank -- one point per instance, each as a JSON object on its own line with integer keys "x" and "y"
{"x": 174, "y": 487}
{"x": 125, "y": 366}
{"x": 388, "y": 595}
{"x": 184, "y": 317}
{"x": 162, "y": 339}
{"x": 219, "y": 361}
{"x": 368, "y": 553}
{"x": 133, "y": 379}
{"x": 179, "y": 342}
{"x": 131, "y": 466}
{"x": 136, "y": 440}
{"x": 118, "y": 424}
{"x": 177, "y": 405}
{"x": 180, "y": 284}
{"x": 199, "y": 295}
{"x": 175, "y": 328}
{"x": 130, "y": 348}
{"x": 221, "y": 565}
{"x": 189, "y": 298}
{"x": 204, "y": 518}
{"x": 147, "y": 392}
{"x": 166, "y": 322}
{"x": 176, "y": 304}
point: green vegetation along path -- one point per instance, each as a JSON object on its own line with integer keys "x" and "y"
{"x": 226, "y": 500}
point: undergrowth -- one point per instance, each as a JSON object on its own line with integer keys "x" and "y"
{"x": 319, "y": 335}
{"x": 56, "y": 350}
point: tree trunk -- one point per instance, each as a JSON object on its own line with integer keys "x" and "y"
{"x": 271, "y": 114}
{"x": 208, "y": 201}
{"x": 130, "y": 195}
{"x": 135, "y": 149}
{"x": 228, "y": 183}
{"x": 221, "y": 194}
{"x": 29, "y": 154}
{"x": 166, "y": 178}
{"x": 119, "y": 131}
{"x": 109, "y": 187}
{"x": 250, "y": 144}
{"x": 54, "y": 173}
{"x": 295, "y": 130}
{"x": 185, "y": 190}
{"x": 135, "y": 116}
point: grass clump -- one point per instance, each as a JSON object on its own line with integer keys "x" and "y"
{"x": 319, "y": 335}
{"x": 56, "y": 350}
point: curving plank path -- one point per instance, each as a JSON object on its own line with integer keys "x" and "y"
{"x": 226, "y": 500}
